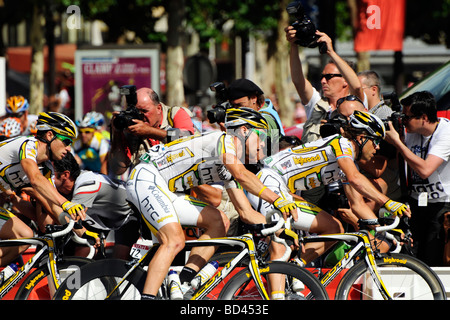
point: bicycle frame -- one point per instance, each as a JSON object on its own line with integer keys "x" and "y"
{"x": 47, "y": 244}
{"x": 245, "y": 241}
{"x": 362, "y": 243}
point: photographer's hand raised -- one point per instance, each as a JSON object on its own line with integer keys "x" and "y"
{"x": 325, "y": 38}
{"x": 290, "y": 34}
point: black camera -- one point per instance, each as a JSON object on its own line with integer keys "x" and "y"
{"x": 332, "y": 126}
{"x": 125, "y": 118}
{"x": 306, "y": 30}
{"x": 397, "y": 117}
{"x": 218, "y": 111}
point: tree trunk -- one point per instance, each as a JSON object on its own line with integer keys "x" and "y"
{"x": 286, "y": 107}
{"x": 37, "y": 62}
{"x": 175, "y": 56}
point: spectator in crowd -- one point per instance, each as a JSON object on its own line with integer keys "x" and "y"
{"x": 371, "y": 84}
{"x": 426, "y": 151}
{"x": 91, "y": 148}
{"x": 383, "y": 168}
{"x": 161, "y": 124}
{"x": 338, "y": 80}
{"x": 245, "y": 93}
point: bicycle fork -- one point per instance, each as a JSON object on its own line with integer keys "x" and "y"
{"x": 247, "y": 242}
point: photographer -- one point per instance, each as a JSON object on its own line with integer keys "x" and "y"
{"x": 338, "y": 80}
{"x": 245, "y": 93}
{"x": 426, "y": 151}
{"x": 158, "y": 123}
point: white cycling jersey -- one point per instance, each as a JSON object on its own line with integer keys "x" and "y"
{"x": 312, "y": 164}
{"x": 156, "y": 185}
{"x": 12, "y": 152}
{"x": 302, "y": 168}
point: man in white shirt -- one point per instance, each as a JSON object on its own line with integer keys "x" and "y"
{"x": 426, "y": 151}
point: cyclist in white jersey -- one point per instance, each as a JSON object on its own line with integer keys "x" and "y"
{"x": 26, "y": 162}
{"x": 325, "y": 161}
{"x": 156, "y": 187}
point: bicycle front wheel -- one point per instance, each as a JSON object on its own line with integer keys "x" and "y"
{"x": 289, "y": 281}
{"x": 404, "y": 277}
{"x": 97, "y": 280}
{"x": 35, "y": 286}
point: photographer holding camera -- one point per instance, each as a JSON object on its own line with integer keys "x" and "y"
{"x": 338, "y": 77}
{"x": 145, "y": 123}
{"x": 338, "y": 80}
{"x": 426, "y": 151}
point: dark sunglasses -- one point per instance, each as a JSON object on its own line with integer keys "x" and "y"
{"x": 329, "y": 76}
{"x": 66, "y": 140}
{"x": 376, "y": 141}
{"x": 348, "y": 98}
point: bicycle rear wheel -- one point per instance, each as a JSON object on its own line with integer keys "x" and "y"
{"x": 405, "y": 278}
{"x": 242, "y": 287}
{"x": 35, "y": 286}
{"x": 96, "y": 280}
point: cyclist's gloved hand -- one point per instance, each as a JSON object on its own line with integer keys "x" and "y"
{"x": 396, "y": 208}
{"x": 290, "y": 236}
{"x": 74, "y": 209}
{"x": 285, "y": 206}
{"x": 92, "y": 237}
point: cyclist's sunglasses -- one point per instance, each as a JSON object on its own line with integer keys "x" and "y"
{"x": 260, "y": 133}
{"x": 329, "y": 76}
{"x": 348, "y": 98}
{"x": 376, "y": 141}
{"x": 86, "y": 130}
{"x": 66, "y": 140}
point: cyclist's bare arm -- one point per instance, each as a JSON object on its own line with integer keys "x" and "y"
{"x": 40, "y": 183}
{"x": 246, "y": 212}
{"x": 44, "y": 187}
{"x": 251, "y": 183}
{"x": 361, "y": 184}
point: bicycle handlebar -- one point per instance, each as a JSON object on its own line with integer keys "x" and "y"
{"x": 276, "y": 227}
{"x": 67, "y": 229}
{"x": 280, "y": 223}
{"x": 390, "y": 226}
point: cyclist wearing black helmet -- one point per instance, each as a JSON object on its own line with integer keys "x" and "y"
{"x": 26, "y": 164}
{"x": 323, "y": 162}
{"x": 157, "y": 188}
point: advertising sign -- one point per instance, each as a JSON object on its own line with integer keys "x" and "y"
{"x": 101, "y": 72}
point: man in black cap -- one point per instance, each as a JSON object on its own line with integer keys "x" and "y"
{"x": 245, "y": 93}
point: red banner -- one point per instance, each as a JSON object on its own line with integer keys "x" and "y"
{"x": 380, "y": 25}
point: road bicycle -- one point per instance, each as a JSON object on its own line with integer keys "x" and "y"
{"x": 47, "y": 266}
{"x": 113, "y": 279}
{"x": 371, "y": 275}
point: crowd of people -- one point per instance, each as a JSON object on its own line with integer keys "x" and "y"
{"x": 162, "y": 172}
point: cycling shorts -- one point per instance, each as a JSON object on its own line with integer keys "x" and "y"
{"x": 149, "y": 193}
{"x": 306, "y": 211}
